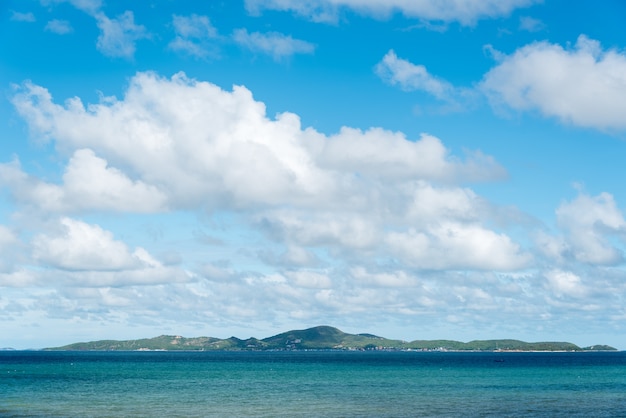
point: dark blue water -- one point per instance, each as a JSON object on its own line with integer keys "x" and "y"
{"x": 313, "y": 383}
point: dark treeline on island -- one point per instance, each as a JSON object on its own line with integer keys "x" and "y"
{"x": 319, "y": 338}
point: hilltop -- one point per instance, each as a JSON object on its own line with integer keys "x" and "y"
{"x": 319, "y": 338}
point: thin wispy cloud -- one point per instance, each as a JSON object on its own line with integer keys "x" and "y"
{"x": 91, "y": 7}
{"x": 194, "y": 35}
{"x": 60, "y": 27}
{"x": 530, "y": 24}
{"x": 412, "y": 77}
{"x": 28, "y": 17}
{"x": 119, "y": 35}
{"x": 409, "y": 76}
{"x": 465, "y": 12}
{"x": 275, "y": 44}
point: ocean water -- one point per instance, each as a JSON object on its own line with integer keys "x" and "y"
{"x": 311, "y": 384}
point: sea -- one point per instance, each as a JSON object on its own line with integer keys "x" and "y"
{"x": 312, "y": 384}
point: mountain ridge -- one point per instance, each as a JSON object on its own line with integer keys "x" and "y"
{"x": 321, "y": 337}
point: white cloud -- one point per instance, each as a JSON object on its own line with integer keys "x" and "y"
{"x": 22, "y": 17}
{"x": 118, "y": 36}
{"x": 194, "y": 26}
{"x": 80, "y": 255}
{"x": 292, "y": 256}
{"x": 11, "y": 256}
{"x": 360, "y": 152}
{"x": 88, "y": 183}
{"x": 7, "y": 238}
{"x": 403, "y": 159}
{"x": 565, "y": 283}
{"x": 397, "y": 71}
{"x": 584, "y": 85}
{"x": 201, "y": 145}
{"x": 554, "y": 248}
{"x": 27, "y": 189}
{"x": 309, "y": 279}
{"x": 192, "y": 35}
{"x": 588, "y": 223}
{"x": 17, "y": 278}
{"x": 530, "y": 24}
{"x": 145, "y": 276}
{"x": 457, "y": 246}
{"x": 275, "y": 44}
{"x": 90, "y": 7}
{"x": 60, "y": 27}
{"x": 177, "y": 143}
{"x": 425, "y": 229}
{"x": 413, "y": 77}
{"x": 76, "y": 245}
{"x": 352, "y": 231}
{"x": 383, "y": 279}
{"x": 466, "y": 12}
{"x": 429, "y": 203}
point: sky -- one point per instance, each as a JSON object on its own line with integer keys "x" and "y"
{"x": 411, "y": 169}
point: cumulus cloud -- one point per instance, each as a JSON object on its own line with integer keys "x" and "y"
{"x": 192, "y": 35}
{"x": 347, "y": 230}
{"x": 466, "y": 12}
{"x": 88, "y": 184}
{"x": 76, "y": 245}
{"x": 198, "y": 144}
{"x": 275, "y": 44}
{"x": 584, "y": 85}
{"x": 12, "y": 250}
{"x": 591, "y": 233}
{"x": 118, "y": 35}
{"x": 191, "y": 145}
{"x": 60, "y": 27}
{"x": 456, "y": 246}
{"x": 7, "y": 238}
{"x": 429, "y": 203}
{"x": 80, "y": 254}
{"x": 403, "y": 159}
{"x": 423, "y": 230}
{"x": 566, "y": 284}
{"x": 588, "y": 223}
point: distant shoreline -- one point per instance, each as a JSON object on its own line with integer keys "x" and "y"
{"x": 323, "y": 338}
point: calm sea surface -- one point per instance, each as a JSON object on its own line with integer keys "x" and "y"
{"x": 313, "y": 383}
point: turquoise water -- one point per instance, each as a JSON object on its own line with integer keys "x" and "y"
{"x": 314, "y": 383}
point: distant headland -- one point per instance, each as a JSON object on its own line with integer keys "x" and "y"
{"x": 318, "y": 338}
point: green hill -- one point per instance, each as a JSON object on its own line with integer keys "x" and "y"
{"x": 325, "y": 337}
{"x": 319, "y": 338}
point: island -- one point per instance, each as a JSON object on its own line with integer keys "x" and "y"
{"x": 319, "y": 338}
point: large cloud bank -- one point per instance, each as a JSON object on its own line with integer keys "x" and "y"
{"x": 365, "y": 223}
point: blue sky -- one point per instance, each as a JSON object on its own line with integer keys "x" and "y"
{"x": 412, "y": 169}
